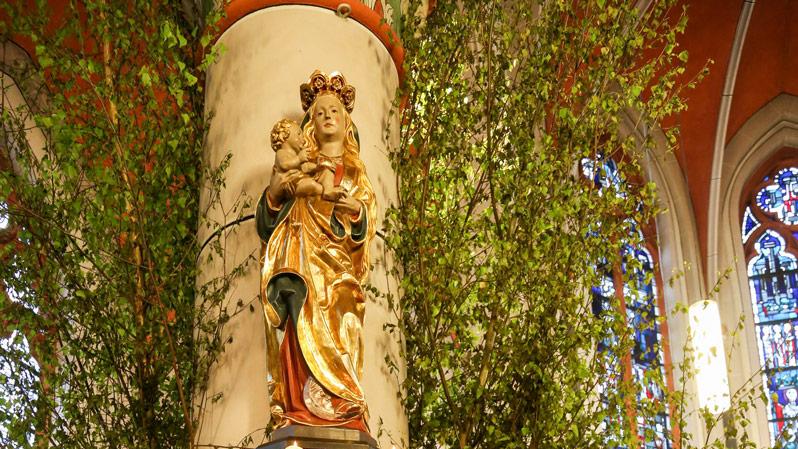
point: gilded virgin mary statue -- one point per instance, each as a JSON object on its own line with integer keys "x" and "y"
{"x": 316, "y": 220}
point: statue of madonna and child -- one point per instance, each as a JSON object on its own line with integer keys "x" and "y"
{"x": 316, "y": 221}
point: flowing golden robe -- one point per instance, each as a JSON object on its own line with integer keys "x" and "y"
{"x": 314, "y": 263}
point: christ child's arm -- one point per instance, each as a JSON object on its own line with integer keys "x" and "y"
{"x": 327, "y": 181}
{"x": 286, "y": 159}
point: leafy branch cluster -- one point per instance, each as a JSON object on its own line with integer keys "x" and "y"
{"x": 107, "y": 341}
{"x": 499, "y": 237}
{"x": 107, "y": 338}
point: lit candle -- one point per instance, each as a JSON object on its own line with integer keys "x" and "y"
{"x": 294, "y": 445}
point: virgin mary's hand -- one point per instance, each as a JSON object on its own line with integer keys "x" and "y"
{"x": 348, "y": 205}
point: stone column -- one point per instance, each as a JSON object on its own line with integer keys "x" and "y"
{"x": 269, "y": 48}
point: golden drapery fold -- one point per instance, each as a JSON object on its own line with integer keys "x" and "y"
{"x": 325, "y": 253}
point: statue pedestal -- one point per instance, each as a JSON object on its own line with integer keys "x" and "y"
{"x": 320, "y": 438}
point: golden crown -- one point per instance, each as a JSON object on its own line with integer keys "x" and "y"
{"x": 335, "y": 84}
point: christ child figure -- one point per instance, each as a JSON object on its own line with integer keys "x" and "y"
{"x": 293, "y": 167}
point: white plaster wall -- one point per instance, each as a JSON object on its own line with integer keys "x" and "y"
{"x": 266, "y": 56}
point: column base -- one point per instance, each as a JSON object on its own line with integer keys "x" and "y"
{"x": 309, "y": 437}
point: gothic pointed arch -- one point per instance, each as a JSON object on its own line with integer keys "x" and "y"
{"x": 767, "y": 141}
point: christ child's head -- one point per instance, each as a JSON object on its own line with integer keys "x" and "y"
{"x": 287, "y": 132}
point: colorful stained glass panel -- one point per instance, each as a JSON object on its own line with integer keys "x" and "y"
{"x": 774, "y": 296}
{"x": 647, "y": 367}
{"x": 781, "y": 197}
{"x": 777, "y": 345}
{"x": 750, "y": 224}
{"x": 783, "y": 405}
{"x": 603, "y": 296}
{"x": 603, "y": 172}
{"x": 602, "y": 303}
{"x": 642, "y": 314}
{"x": 773, "y": 280}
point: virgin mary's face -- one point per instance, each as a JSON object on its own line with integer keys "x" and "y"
{"x": 328, "y": 120}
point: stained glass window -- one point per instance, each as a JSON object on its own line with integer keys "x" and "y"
{"x": 612, "y": 365}
{"x": 603, "y": 172}
{"x": 750, "y": 224}
{"x": 769, "y": 233}
{"x": 647, "y": 358}
{"x": 780, "y": 197}
{"x": 641, "y": 303}
{"x": 602, "y": 302}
